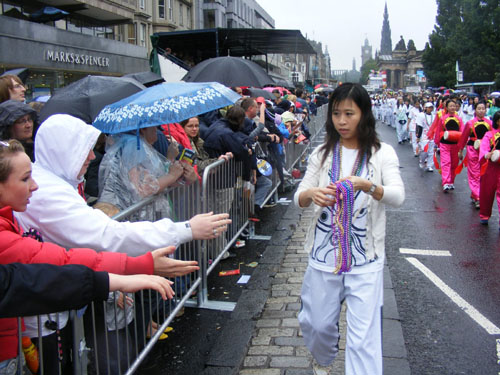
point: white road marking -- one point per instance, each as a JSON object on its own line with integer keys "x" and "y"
{"x": 435, "y": 253}
{"x": 463, "y": 304}
{"x": 498, "y": 351}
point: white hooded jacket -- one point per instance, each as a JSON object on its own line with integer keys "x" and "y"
{"x": 56, "y": 209}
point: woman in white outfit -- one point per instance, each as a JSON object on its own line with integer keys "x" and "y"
{"x": 423, "y": 121}
{"x": 349, "y": 179}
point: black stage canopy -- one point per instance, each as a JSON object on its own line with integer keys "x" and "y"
{"x": 198, "y": 45}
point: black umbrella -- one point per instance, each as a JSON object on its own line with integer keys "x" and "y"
{"x": 22, "y": 73}
{"x": 284, "y": 83}
{"x": 230, "y": 71}
{"x": 148, "y": 78}
{"x": 86, "y": 97}
{"x": 255, "y": 93}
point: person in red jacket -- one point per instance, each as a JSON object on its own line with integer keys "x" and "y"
{"x": 474, "y": 131}
{"x": 449, "y": 127}
{"x": 16, "y": 187}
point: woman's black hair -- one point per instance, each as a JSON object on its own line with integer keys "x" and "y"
{"x": 495, "y": 119}
{"x": 479, "y": 102}
{"x": 367, "y": 135}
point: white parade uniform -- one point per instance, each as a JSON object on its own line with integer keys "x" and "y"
{"x": 425, "y": 121}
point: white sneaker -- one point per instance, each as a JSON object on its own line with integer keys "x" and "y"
{"x": 429, "y": 169}
{"x": 322, "y": 370}
{"x": 421, "y": 165}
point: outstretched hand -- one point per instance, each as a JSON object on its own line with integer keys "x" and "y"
{"x": 168, "y": 267}
{"x": 134, "y": 283}
{"x": 209, "y": 226}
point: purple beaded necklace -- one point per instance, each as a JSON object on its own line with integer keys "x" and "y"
{"x": 344, "y": 206}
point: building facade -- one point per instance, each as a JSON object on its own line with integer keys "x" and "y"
{"x": 403, "y": 65}
{"x": 236, "y": 14}
{"x": 83, "y": 37}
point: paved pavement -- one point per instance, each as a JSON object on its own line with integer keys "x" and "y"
{"x": 275, "y": 345}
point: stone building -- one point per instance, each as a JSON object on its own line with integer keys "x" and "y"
{"x": 403, "y": 65}
{"x": 82, "y": 37}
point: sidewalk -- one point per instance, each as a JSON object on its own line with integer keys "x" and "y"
{"x": 276, "y": 346}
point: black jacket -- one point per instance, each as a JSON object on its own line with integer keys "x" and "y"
{"x": 34, "y": 289}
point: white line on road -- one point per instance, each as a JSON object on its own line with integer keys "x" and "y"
{"x": 463, "y": 304}
{"x": 498, "y": 351}
{"x": 436, "y": 253}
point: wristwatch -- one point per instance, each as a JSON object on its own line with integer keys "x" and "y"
{"x": 372, "y": 189}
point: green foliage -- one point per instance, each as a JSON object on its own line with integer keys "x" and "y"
{"x": 411, "y": 45}
{"x": 467, "y": 31}
{"x": 365, "y": 70}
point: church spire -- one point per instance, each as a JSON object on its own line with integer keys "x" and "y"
{"x": 386, "y": 42}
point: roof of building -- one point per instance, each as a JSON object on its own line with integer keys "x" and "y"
{"x": 207, "y": 43}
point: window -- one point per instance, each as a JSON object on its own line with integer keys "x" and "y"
{"x": 161, "y": 8}
{"x": 142, "y": 35}
{"x": 181, "y": 16}
{"x": 209, "y": 18}
{"x": 142, "y": 5}
{"x": 188, "y": 16}
{"x": 171, "y": 10}
{"x": 132, "y": 33}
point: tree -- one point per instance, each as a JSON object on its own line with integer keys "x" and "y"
{"x": 466, "y": 31}
{"x": 365, "y": 70}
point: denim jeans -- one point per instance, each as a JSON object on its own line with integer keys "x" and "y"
{"x": 9, "y": 367}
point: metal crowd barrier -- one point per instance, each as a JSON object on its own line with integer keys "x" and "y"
{"x": 295, "y": 151}
{"x": 108, "y": 339}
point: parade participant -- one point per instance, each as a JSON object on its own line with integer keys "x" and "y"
{"x": 494, "y": 107}
{"x": 450, "y": 125}
{"x": 401, "y": 120}
{"x": 423, "y": 122}
{"x": 474, "y": 131}
{"x": 490, "y": 180}
{"x": 349, "y": 179}
{"x": 412, "y": 125}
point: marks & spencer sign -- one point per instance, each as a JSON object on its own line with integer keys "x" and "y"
{"x": 76, "y": 58}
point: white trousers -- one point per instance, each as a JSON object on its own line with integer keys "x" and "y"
{"x": 322, "y": 295}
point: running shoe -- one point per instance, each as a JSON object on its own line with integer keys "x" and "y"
{"x": 429, "y": 169}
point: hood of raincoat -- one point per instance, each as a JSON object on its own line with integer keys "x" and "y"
{"x": 62, "y": 145}
{"x": 12, "y": 110}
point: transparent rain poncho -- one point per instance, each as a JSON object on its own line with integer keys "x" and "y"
{"x": 127, "y": 175}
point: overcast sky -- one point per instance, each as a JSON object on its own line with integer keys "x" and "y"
{"x": 343, "y": 25}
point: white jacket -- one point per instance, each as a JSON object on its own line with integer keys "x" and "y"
{"x": 62, "y": 145}
{"x": 383, "y": 170}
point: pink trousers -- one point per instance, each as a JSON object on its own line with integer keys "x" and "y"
{"x": 490, "y": 185}
{"x": 449, "y": 162}
{"x": 473, "y": 171}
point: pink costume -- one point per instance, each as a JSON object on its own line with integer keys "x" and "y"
{"x": 448, "y": 149}
{"x": 490, "y": 180}
{"x": 474, "y": 130}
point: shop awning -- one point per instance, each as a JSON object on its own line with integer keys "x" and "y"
{"x": 199, "y": 45}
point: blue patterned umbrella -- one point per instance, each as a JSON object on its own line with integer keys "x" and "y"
{"x": 163, "y": 104}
